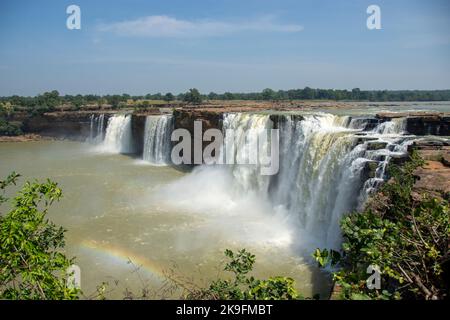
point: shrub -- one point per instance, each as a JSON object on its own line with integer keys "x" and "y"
{"x": 241, "y": 286}
{"x": 31, "y": 264}
{"x": 9, "y": 129}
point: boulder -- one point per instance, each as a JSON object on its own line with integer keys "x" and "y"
{"x": 399, "y": 159}
{"x": 376, "y": 145}
{"x": 369, "y": 170}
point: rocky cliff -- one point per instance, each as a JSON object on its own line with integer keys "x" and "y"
{"x": 76, "y": 124}
{"x": 184, "y": 119}
{"x": 66, "y": 125}
{"x": 422, "y": 123}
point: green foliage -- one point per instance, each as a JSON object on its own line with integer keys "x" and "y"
{"x": 114, "y": 101}
{"x": 193, "y": 96}
{"x": 9, "y": 128}
{"x": 31, "y": 264}
{"x": 6, "y": 109}
{"x": 408, "y": 239}
{"x": 213, "y": 96}
{"x": 244, "y": 287}
{"x": 169, "y": 97}
{"x": 327, "y": 257}
{"x": 268, "y": 94}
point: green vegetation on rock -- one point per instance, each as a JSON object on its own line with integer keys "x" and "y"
{"x": 405, "y": 235}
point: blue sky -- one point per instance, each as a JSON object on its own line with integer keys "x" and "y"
{"x": 141, "y": 47}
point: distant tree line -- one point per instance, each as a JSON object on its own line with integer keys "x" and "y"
{"x": 50, "y": 100}
{"x": 331, "y": 94}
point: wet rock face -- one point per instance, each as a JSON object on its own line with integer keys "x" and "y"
{"x": 420, "y": 123}
{"x": 433, "y": 125}
{"x": 184, "y": 119}
{"x": 365, "y": 123}
{"x": 369, "y": 170}
{"x": 138, "y": 132}
{"x": 399, "y": 159}
{"x": 71, "y": 125}
{"x": 277, "y": 119}
{"x": 376, "y": 145}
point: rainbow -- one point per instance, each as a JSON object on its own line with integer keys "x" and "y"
{"x": 123, "y": 256}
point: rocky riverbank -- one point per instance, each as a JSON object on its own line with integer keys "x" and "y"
{"x": 23, "y": 138}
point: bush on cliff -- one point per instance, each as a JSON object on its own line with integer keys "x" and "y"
{"x": 405, "y": 237}
{"x": 193, "y": 96}
{"x": 9, "y": 128}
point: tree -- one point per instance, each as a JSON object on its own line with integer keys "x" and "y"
{"x": 228, "y": 96}
{"x": 78, "y": 101}
{"x": 114, "y": 101}
{"x": 308, "y": 93}
{"x": 31, "y": 262}
{"x": 356, "y": 94}
{"x": 213, "y": 96}
{"x": 193, "y": 96}
{"x": 169, "y": 97}
{"x": 48, "y": 100}
{"x": 268, "y": 94}
{"x": 101, "y": 102}
{"x": 6, "y": 108}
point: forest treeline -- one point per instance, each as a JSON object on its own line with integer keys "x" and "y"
{"x": 53, "y": 98}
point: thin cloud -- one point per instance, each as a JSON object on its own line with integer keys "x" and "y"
{"x": 426, "y": 41}
{"x": 169, "y": 27}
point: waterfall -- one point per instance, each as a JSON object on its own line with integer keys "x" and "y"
{"x": 157, "y": 143}
{"x": 96, "y": 135}
{"x": 395, "y": 126}
{"x": 324, "y": 161}
{"x": 241, "y": 148}
{"x": 118, "y": 137}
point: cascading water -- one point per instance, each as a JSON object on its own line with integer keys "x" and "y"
{"x": 118, "y": 136}
{"x": 241, "y": 148}
{"x": 96, "y": 135}
{"x": 157, "y": 143}
{"x": 395, "y": 126}
{"x": 323, "y": 168}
